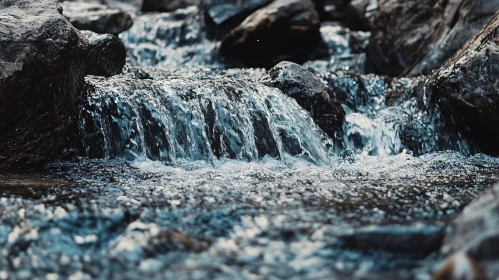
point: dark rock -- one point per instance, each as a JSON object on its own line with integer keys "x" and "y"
{"x": 106, "y": 54}
{"x": 166, "y": 5}
{"x": 354, "y": 14}
{"x": 282, "y": 30}
{"x": 460, "y": 266}
{"x": 222, "y": 16}
{"x": 309, "y": 91}
{"x": 466, "y": 89}
{"x": 418, "y": 238}
{"x": 476, "y": 232}
{"x": 41, "y": 70}
{"x": 476, "y": 229}
{"x": 416, "y": 37}
{"x": 96, "y": 17}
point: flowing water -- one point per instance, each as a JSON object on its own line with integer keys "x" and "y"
{"x": 201, "y": 173}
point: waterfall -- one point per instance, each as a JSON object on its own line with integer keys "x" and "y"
{"x": 195, "y": 119}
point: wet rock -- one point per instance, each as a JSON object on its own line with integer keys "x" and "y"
{"x": 41, "y": 70}
{"x": 420, "y": 238}
{"x": 221, "y": 16}
{"x": 96, "y": 17}
{"x": 106, "y": 54}
{"x": 466, "y": 90}
{"x": 416, "y": 37}
{"x": 283, "y": 30}
{"x": 356, "y": 15}
{"x": 166, "y": 241}
{"x": 308, "y": 90}
{"x": 460, "y": 266}
{"x": 476, "y": 231}
{"x": 166, "y": 5}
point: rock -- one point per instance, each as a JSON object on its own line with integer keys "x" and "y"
{"x": 354, "y": 14}
{"x": 106, "y": 54}
{"x": 467, "y": 90}
{"x": 309, "y": 91}
{"x": 222, "y": 16}
{"x": 166, "y": 5}
{"x": 417, "y": 238}
{"x": 416, "y": 37}
{"x": 96, "y": 17}
{"x": 282, "y": 30}
{"x": 460, "y": 266}
{"x": 41, "y": 71}
{"x": 476, "y": 230}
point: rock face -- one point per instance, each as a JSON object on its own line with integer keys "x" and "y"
{"x": 309, "y": 91}
{"x": 166, "y": 5}
{"x": 467, "y": 90}
{"x": 41, "y": 70}
{"x": 283, "y": 30}
{"x": 106, "y": 54}
{"x": 96, "y": 17}
{"x": 476, "y": 231}
{"x": 415, "y": 37}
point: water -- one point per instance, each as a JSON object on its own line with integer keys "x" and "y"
{"x": 205, "y": 173}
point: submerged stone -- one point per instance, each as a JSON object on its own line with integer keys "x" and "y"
{"x": 166, "y": 5}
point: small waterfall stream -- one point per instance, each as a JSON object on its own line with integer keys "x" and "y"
{"x": 196, "y": 119}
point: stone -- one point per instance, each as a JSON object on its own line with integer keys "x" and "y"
{"x": 416, "y": 238}
{"x": 416, "y": 37}
{"x": 106, "y": 54}
{"x": 42, "y": 65}
{"x": 166, "y": 5}
{"x": 96, "y": 17}
{"x": 309, "y": 91}
{"x": 221, "y": 16}
{"x": 467, "y": 90}
{"x": 476, "y": 230}
{"x": 460, "y": 266}
{"x": 282, "y": 30}
{"x": 354, "y": 14}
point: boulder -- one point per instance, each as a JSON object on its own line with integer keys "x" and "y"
{"x": 476, "y": 231}
{"x": 221, "y": 16}
{"x": 166, "y": 5}
{"x": 96, "y": 17}
{"x": 309, "y": 91}
{"x": 467, "y": 90}
{"x": 106, "y": 54}
{"x": 356, "y": 15}
{"x": 413, "y": 37}
{"x": 42, "y": 65}
{"x": 282, "y": 30}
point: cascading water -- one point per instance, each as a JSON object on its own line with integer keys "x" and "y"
{"x": 201, "y": 173}
{"x": 196, "y": 119}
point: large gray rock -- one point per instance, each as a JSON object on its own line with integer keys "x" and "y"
{"x": 309, "y": 91}
{"x": 466, "y": 89}
{"x": 96, "y": 17}
{"x": 282, "y": 30}
{"x": 42, "y": 65}
{"x": 413, "y": 37}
